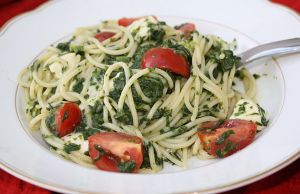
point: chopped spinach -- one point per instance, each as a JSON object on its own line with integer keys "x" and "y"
{"x": 77, "y": 87}
{"x": 65, "y": 116}
{"x": 151, "y": 87}
{"x": 224, "y": 136}
{"x": 180, "y": 130}
{"x": 225, "y": 59}
{"x": 256, "y": 76}
{"x": 84, "y": 130}
{"x": 32, "y": 108}
{"x": 126, "y": 166}
{"x": 241, "y": 109}
{"x": 77, "y": 49}
{"x": 50, "y": 120}
{"x": 156, "y": 31}
{"x": 101, "y": 152}
{"x": 119, "y": 83}
{"x": 64, "y": 46}
{"x": 110, "y": 59}
{"x": 124, "y": 116}
{"x": 162, "y": 112}
{"x": 262, "y": 112}
{"x": 96, "y": 112}
{"x": 70, "y": 147}
{"x": 228, "y": 147}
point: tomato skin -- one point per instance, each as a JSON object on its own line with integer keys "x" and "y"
{"x": 104, "y": 35}
{"x": 127, "y": 21}
{"x": 166, "y": 59}
{"x": 118, "y": 147}
{"x": 67, "y": 117}
{"x": 187, "y": 28}
{"x": 241, "y": 133}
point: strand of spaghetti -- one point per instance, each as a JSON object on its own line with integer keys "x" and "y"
{"x": 187, "y": 99}
{"x": 188, "y": 133}
{"x": 113, "y": 127}
{"x": 179, "y": 145}
{"x": 196, "y": 147}
{"x": 208, "y": 45}
{"x": 161, "y": 137}
{"x": 219, "y": 95}
{"x": 79, "y": 161}
{"x": 225, "y": 82}
{"x": 175, "y": 119}
{"x": 184, "y": 157}
{"x": 133, "y": 50}
{"x": 134, "y": 131}
{"x": 140, "y": 92}
{"x": 154, "y": 109}
{"x": 161, "y": 123}
{"x": 37, "y": 119}
{"x": 152, "y": 159}
{"x": 95, "y": 63}
{"x": 87, "y": 77}
{"x": 110, "y": 109}
{"x": 81, "y": 157}
{"x": 47, "y": 91}
{"x": 177, "y": 110}
{"x": 211, "y": 69}
{"x": 184, "y": 90}
{"x": 105, "y": 114}
{"x": 131, "y": 105}
{"x": 196, "y": 99}
{"x": 42, "y": 83}
{"x": 200, "y": 120}
{"x": 19, "y": 79}
{"x": 168, "y": 156}
{"x": 65, "y": 79}
{"x": 168, "y": 100}
{"x": 230, "y": 78}
{"x": 39, "y": 97}
{"x": 166, "y": 76}
{"x": 128, "y": 85}
{"x": 175, "y": 140}
{"x": 31, "y": 90}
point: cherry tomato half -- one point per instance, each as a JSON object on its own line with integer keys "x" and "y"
{"x": 166, "y": 59}
{"x": 104, "y": 35}
{"x": 187, "y": 28}
{"x": 67, "y": 117}
{"x": 227, "y": 138}
{"x": 127, "y": 21}
{"x": 116, "y": 152}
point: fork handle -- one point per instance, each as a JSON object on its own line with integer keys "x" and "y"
{"x": 273, "y": 49}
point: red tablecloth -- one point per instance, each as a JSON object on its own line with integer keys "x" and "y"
{"x": 284, "y": 181}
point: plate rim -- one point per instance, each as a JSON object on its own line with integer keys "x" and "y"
{"x": 51, "y": 186}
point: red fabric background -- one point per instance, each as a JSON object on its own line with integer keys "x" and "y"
{"x": 284, "y": 181}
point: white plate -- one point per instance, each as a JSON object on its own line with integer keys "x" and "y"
{"x": 251, "y": 22}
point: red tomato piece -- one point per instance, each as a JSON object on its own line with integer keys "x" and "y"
{"x": 187, "y": 28}
{"x": 227, "y": 138}
{"x": 166, "y": 59}
{"x": 116, "y": 152}
{"x": 67, "y": 117}
{"x": 127, "y": 21}
{"x": 104, "y": 35}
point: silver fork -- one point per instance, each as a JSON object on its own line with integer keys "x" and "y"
{"x": 272, "y": 49}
